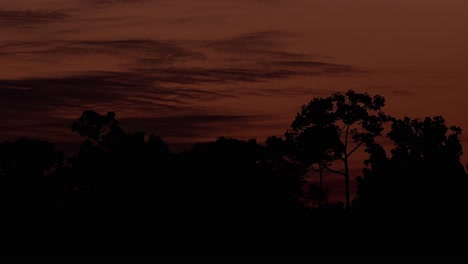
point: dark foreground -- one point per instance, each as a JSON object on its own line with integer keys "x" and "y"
{"x": 324, "y": 236}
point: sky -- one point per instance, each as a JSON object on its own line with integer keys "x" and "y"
{"x": 192, "y": 71}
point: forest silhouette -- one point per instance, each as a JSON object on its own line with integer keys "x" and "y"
{"x": 127, "y": 196}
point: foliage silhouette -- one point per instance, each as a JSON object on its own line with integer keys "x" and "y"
{"x": 424, "y": 169}
{"x": 122, "y": 171}
{"x": 325, "y": 127}
{"x": 127, "y": 194}
{"x": 26, "y": 168}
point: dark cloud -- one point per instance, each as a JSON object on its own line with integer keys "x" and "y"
{"x": 434, "y": 87}
{"x": 160, "y": 91}
{"x": 199, "y": 126}
{"x": 265, "y": 50}
{"x": 264, "y": 44}
{"x": 402, "y": 90}
{"x": 146, "y": 51}
{"x": 114, "y": 2}
{"x": 118, "y": 88}
{"x": 215, "y": 75}
{"x": 30, "y": 17}
{"x": 131, "y": 47}
{"x": 193, "y": 124}
{"x": 90, "y": 86}
{"x": 251, "y": 41}
{"x": 160, "y": 87}
{"x": 190, "y": 19}
{"x": 285, "y": 91}
{"x": 176, "y": 61}
{"x": 45, "y": 106}
{"x": 315, "y": 67}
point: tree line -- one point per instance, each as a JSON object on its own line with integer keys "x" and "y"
{"x": 119, "y": 175}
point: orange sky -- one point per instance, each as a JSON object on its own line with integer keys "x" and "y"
{"x": 194, "y": 70}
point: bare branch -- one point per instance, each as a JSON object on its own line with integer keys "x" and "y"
{"x": 334, "y": 171}
{"x": 342, "y": 129}
{"x": 355, "y": 148}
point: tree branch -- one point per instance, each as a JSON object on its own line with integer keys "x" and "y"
{"x": 341, "y": 130}
{"x": 355, "y": 148}
{"x": 334, "y": 171}
{"x": 346, "y": 142}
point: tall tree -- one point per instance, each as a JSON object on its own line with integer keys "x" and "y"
{"x": 333, "y": 128}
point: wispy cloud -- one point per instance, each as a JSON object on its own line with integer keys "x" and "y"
{"x": 155, "y": 85}
{"x": 113, "y": 2}
{"x": 199, "y": 125}
{"x": 124, "y": 90}
{"x": 315, "y": 67}
{"x": 46, "y": 106}
{"x": 251, "y": 41}
{"x": 30, "y": 17}
{"x": 266, "y": 51}
{"x": 215, "y": 75}
{"x": 405, "y": 90}
{"x": 112, "y": 88}
{"x": 258, "y": 44}
{"x": 253, "y": 57}
{"x": 134, "y": 48}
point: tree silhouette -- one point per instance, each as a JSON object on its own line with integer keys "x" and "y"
{"x": 314, "y": 148}
{"x": 230, "y": 197}
{"x": 26, "y": 167}
{"x": 100, "y": 129}
{"x": 119, "y": 171}
{"x": 423, "y": 173}
{"x": 282, "y": 176}
{"x": 315, "y": 195}
{"x": 333, "y": 128}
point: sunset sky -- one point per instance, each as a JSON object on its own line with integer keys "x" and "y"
{"x": 193, "y": 70}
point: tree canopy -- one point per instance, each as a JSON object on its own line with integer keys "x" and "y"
{"x": 333, "y": 128}
{"x": 229, "y": 189}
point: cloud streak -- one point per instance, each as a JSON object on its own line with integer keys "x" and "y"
{"x": 215, "y": 75}
{"x": 315, "y": 67}
{"x": 157, "y": 85}
{"x": 136, "y": 48}
{"x": 257, "y": 44}
{"x": 46, "y": 107}
{"x": 23, "y": 18}
{"x": 182, "y": 131}
{"x": 111, "y": 88}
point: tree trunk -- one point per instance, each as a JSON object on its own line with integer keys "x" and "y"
{"x": 346, "y": 172}
{"x": 348, "y": 203}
